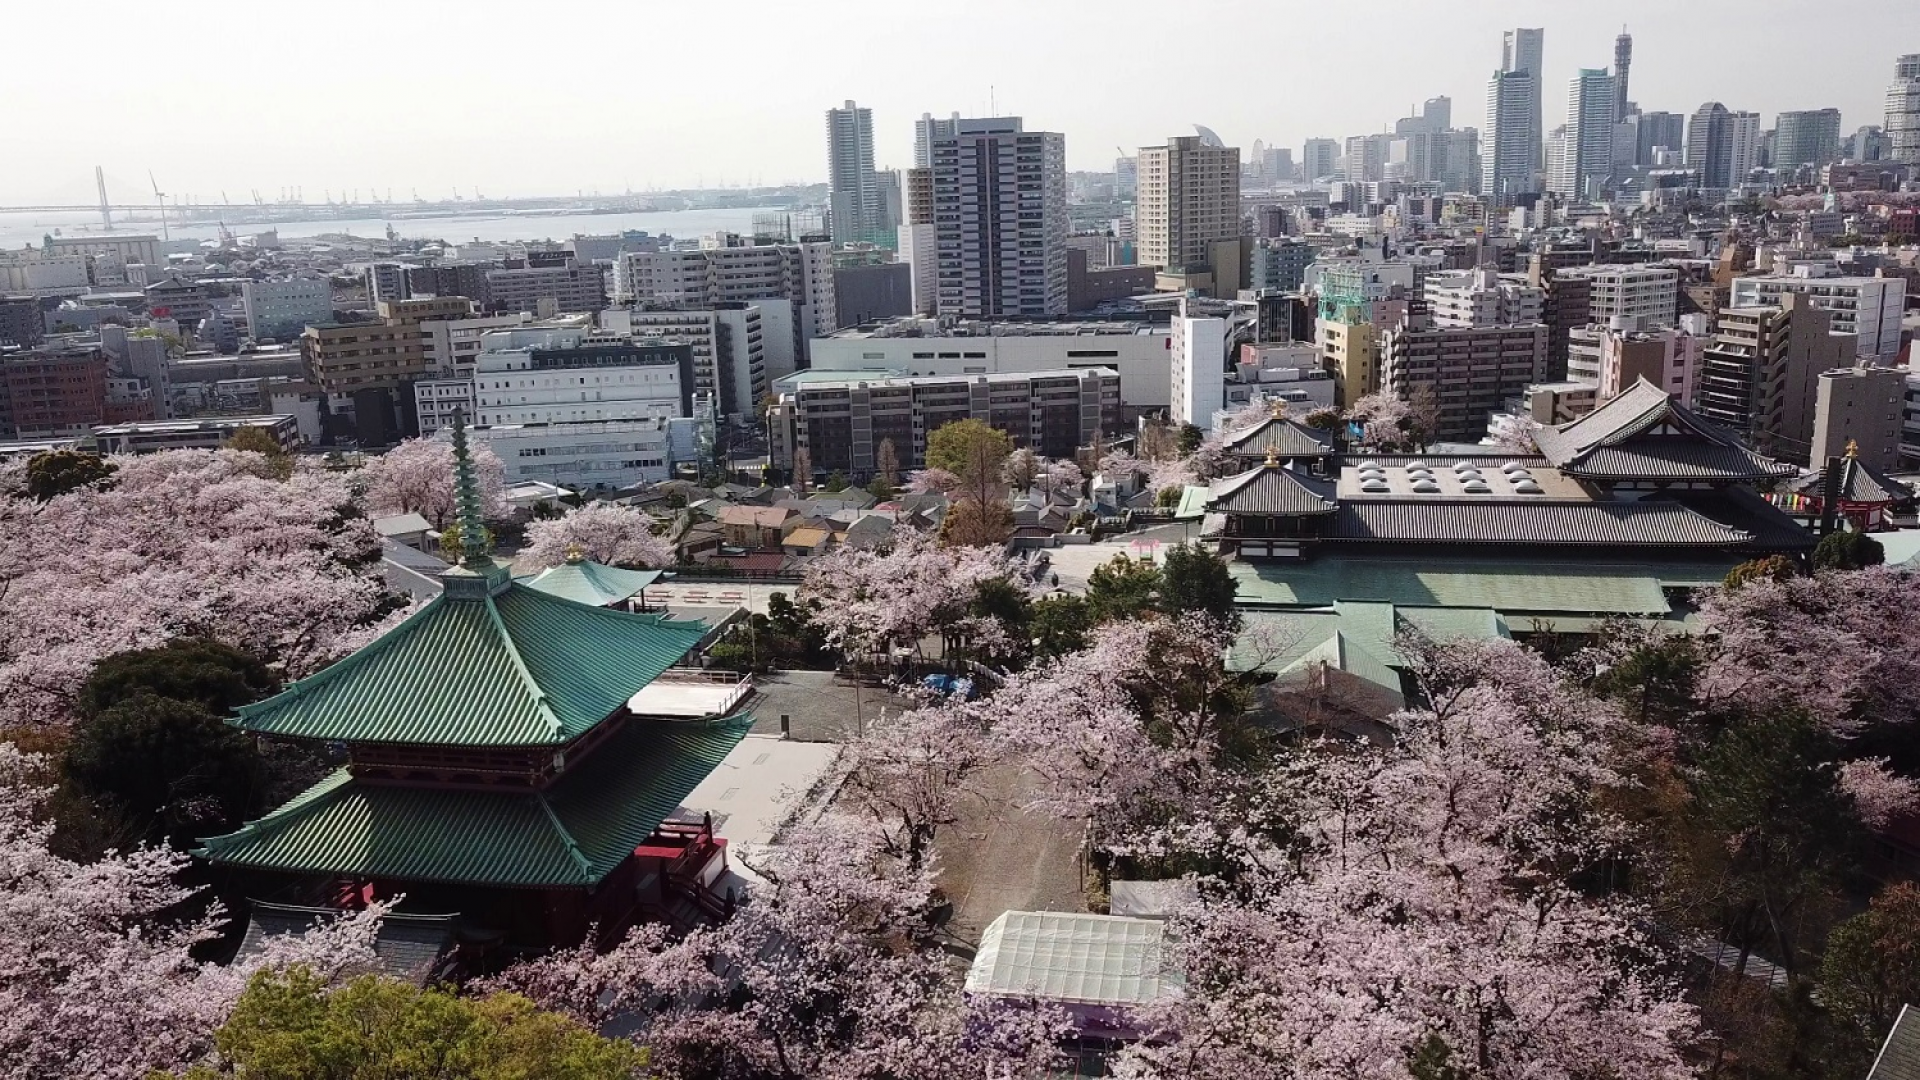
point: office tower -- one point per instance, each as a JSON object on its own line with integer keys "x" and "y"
{"x": 918, "y": 245}
{"x": 1126, "y": 177}
{"x": 1521, "y": 50}
{"x": 281, "y": 310}
{"x": 852, "y": 187}
{"x": 1001, "y": 192}
{"x": 1513, "y": 136}
{"x": 1189, "y": 198}
{"x": 1710, "y": 145}
{"x": 1744, "y": 142}
{"x": 1277, "y": 164}
{"x": 1867, "y": 144}
{"x": 1438, "y": 113}
{"x": 1806, "y": 137}
{"x": 1587, "y": 161}
{"x": 1903, "y": 111}
{"x": 1319, "y": 158}
{"x": 1622, "y": 61}
{"x": 925, "y": 130}
{"x": 1660, "y": 130}
{"x": 1366, "y": 158}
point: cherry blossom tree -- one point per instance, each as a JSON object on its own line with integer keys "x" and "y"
{"x": 97, "y": 976}
{"x": 603, "y": 532}
{"x": 1843, "y": 645}
{"x": 1878, "y": 794}
{"x": 1387, "y": 422}
{"x": 1062, "y": 476}
{"x": 1021, "y": 469}
{"x": 913, "y": 773}
{"x": 932, "y": 482}
{"x": 416, "y": 477}
{"x": 870, "y": 599}
{"x": 183, "y": 543}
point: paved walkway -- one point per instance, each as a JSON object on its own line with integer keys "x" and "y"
{"x": 998, "y": 858}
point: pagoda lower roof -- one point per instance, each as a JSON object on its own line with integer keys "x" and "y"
{"x": 592, "y": 583}
{"x": 570, "y": 835}
{"x": 517, "y": 668}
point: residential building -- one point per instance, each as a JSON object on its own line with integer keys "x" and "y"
{"x": 1806, "y": 137}
{"x": 738, "y": 348}
{"x": 1511, "y": 146}
{"x": 468, "y": 279}
{"x": 1319, "y": 159}
{"x": 21, "y": 323}
{"x": 841, "y": 419}
{"x": 386, "y": 281}
{"x": 872, "y": 291}
{"x": 281, "y": 310}
{"x": 918, "y": 242}
{"x": 1642, "y": 291}
{"x": 1902, "y": 125}
{"x": 1759, "y": 375}
{"x": 1623, "y": 354}
{"x": 547, "y": 290}
{"x": 1189, "y": 197}
{"x": 728, "y": 269}
{"x": 52, "y": 392}
{"x": 1467, "y": 298}
{"x": 1469, "y": 373}
{"x": 176, "y": 298}
{"x": 1748, "y": 147}
{"x": 853, "y": 188}
{"x": 1137, "y": 350}
{"x": 1000, "y": 209}
{"x": 925, "y": 130}
{"x": 366, "y": 368}
{"x": 1587, "y": 160}
{"x": 1199, "y": 358}
{"x": 202, "y": 433}
{"x": 1350, "y": 352}
{"x": 1868, "y": 307}
{"x": 1858, "y": 412}
{"x": 1280, "y": 264}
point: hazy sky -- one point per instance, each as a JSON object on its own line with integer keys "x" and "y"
{"x": 553, "y": 96}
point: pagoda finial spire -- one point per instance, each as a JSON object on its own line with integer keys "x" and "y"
{"x": 1853, "y": 448}
{"x": 466, "y": 486}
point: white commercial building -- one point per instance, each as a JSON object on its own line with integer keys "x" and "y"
{"x": 726, "y": 269}
{"x": 1481, "y": 298}
{"x": 1000, "y": 201}
{"x": 921, "y": 347}
{"x": 282, "y": 310}
{"x": 1648, "y": 291}
{"x": 739, "y": 348}
{"x": 453, "y": 344}
{"x": 601, "y": 455}
{"x": 39, "y": 274}
{"x": 1198, "y": 377}
{"x": 1869, "y": 307}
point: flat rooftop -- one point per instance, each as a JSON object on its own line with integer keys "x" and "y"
{"x": 1459, "y": 480}
{"x": 910, "y": 327}
{"x": 209, "y": 423}
{"x": 855, "y": 378}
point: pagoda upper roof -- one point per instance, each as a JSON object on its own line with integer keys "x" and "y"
{"x": 1859, "y": 483}
{"x": 569, "y": 835}
{"x": 1283, "y": 438}
{"x": 593, "y": 583}
{"x": 1641, "y": 433}
{"x": 1271, "y": 489}
{"x": 510, "y": 667}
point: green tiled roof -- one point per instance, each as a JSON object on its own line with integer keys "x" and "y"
{"x": 1507, "y": 586}
{"x": 591, "y": 583}
{"x": 571, "y": 835}
{"x": 521, "y": 668}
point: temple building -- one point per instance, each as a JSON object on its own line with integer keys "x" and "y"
{"x": 1853, "y": 490}
{"x": 501, "y": 760}
{"x": 1289, "y": 441}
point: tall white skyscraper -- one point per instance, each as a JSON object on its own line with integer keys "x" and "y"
{"x": 1512, "y": 136}
{"x": 1902, "y": 127}
{"x": 1588, "y": 159}
{"x": 1744, "y": 147}
{"x": 853, "y": 189}
{"x": 1000, "y": 193}
{"x": 1521, "y": 50}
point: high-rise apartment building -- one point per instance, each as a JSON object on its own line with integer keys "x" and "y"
{"x": 1522, "y": 51}
{"x": 919, "y": 247}
{"x": 1858, "y": 412}
{"x": 727, "y": 268}
{"x": 1748, "y": 147}
{"x": 1902, "y": 127}
{"x": 1660, "y": 131}
{"x": 1462, "y": 298}
{"x": 1622, "y": 63}
{"x": 1806, "y": 137}
{"x": 853, "y": 189}
{"x": 1723, "y": 146}
{"x": 1000, "y": 218}
{"x": 1511, "y": 145}
{"x": 1189, "y": 198}
{"x": 1469, "y": 373}
{"x": 1759, "y": 376}
{"x": 1869, "y": 308}
{"x": 925, "y": 130}
{"x": 1587, "y": 160}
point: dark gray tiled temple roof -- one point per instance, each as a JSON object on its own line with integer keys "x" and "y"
{"x": 1284, "y": 438}
{"x": 1642, "y": 433}
{"x": 1859, "y": 483}
{"x": 1271, "y": 489}
{"x": 1630, "y": 524}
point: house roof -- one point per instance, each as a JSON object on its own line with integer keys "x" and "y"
{"x": 760, "y": 517}
{"x": 1859, "y": 483}
{"x": 401, "y": 525}
{"x": 572, "y": 834}
{"x": 1899, "y": 1057}
{"x": 807, "y": 537}
{"x": 591, "y": 583}
{"x": 409, "y": 947}
{"x": 1642, "y": 433}
{"x": 1611, "y": 524}
{"x": 1074, "y": 959}
{"x": 1272, "y": 489}
{"x": 1283, "y": 438}
{"x": 520, "y": 668}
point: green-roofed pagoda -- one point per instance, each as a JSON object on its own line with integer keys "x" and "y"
{"x": 585, "y": 581}
{"x": 492, "y": 764}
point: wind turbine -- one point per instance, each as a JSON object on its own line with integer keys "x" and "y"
{"x": 161, "y": 198}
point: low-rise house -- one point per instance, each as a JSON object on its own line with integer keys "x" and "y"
{"x": 757, "y": 528}
{"x": 811, "y": 538}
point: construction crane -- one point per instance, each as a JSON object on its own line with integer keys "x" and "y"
{"x": 161, "y": 198}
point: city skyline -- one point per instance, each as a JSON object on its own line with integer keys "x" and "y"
{"x": 757, "y": 122}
